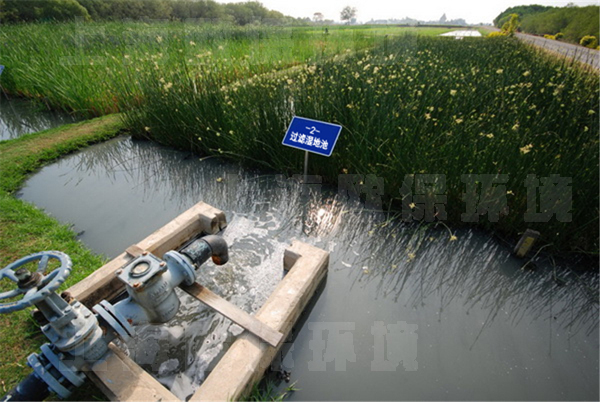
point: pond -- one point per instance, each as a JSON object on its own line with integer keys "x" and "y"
{"x": 20, "y": 116}
{"x": 405, "y": 313}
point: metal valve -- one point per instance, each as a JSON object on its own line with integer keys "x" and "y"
{"x": 71, "y": 327}
{"x": 79, "y": 336}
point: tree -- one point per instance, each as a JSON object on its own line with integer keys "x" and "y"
{"x": 348, "y": 13}
{"x": 318, "y": 17}
{"x": 443, "y": 19}
{"x": 42, "y": 10}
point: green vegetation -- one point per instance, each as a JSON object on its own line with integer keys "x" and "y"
{"x": 411, "y": 105}
{"x": 266, "y": 391}
{"x": 521, "y": 11}
{"x": 242, "y": 13}
{"x": 571, "y": 21}
{"x": 508, "y": 28}
{"x": 589, "y": 41}
{"x": 92, "y": 65}
{"x": 24, "y": 230}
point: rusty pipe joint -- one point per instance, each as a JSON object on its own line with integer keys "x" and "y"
{"x": 208, "y": 246}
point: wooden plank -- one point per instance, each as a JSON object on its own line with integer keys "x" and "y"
{"x": 247, "y": 359}
{"x": 134, "y": 251}
{"x": 235, "y": 314}
{"x": 102, "y": 284}
{"x": 121, "y": 379}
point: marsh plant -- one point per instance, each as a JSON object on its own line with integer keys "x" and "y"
{"x": 409, "y": 105}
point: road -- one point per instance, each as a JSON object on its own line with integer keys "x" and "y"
{"x": 580, "y": 53}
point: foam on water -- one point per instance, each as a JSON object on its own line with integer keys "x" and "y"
{"x": 253, "y": 272}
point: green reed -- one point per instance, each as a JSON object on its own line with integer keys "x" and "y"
{"x": 411, "y": 105}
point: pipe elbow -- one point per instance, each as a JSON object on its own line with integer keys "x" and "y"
{"x": 218, "y": 247}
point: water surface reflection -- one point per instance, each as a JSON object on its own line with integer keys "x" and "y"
{"x": 20, "y": 116}
{"x": 486, "y": 328}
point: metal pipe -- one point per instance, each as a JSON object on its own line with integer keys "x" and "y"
{"x": 32, "y": 388}
{"x": 198, "y": 251}
{"x": 218, "y": 246}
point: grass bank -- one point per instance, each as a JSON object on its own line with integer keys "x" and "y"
{"x": 24, "y": 229}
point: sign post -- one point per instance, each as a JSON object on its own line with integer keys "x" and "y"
{"x": 313, "y": 136}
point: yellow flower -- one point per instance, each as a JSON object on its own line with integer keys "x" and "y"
{"x": 453, "y": 238}
{"x": 412, "y": 205}
{"x": 458, "y": 121}
{"x": 515, "y": 127}
{"x": 411, "y": 256}
{"x": 159, "y": 39}
{"x": 453, "y": 92}
{"x": 168, "y": 86}
{"x": 192, "y": 43}
{"x": 147, "y": 128}
{"x": 219, "y": 179}
{"x": 526, "y": 149}
{"x": 510, "y": 192}
{"x": 499, "y": 71}
{"x": 526, "y": 73}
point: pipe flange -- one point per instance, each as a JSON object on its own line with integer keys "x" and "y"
{"x": 115, "y": 320}
{"x": 65, "y": 367}
{"x": 50, "y": 375}
{"x": 180, "y": 262}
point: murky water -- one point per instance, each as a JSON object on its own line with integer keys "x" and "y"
{"x": 405, "y": 313}
{"x": 19, "y": 117}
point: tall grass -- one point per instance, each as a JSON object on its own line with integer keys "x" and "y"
{"x": 409, "y": 104}
{"x": 412, "y": 105}
{"x": 87, "y": 68}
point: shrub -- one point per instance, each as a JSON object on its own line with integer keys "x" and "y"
{"x": 510, "y": 27}
{"x": 496, "y": 34}
{"x": 553, "y": 37}
{"x": 589, "y": 41}
{"x": 559, "y": 35}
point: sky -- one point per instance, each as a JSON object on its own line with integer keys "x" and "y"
{"x": 473, "y": 11}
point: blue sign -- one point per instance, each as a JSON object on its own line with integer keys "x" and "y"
{"x": 313, "y": 136}
{"x": 1, "y": 69}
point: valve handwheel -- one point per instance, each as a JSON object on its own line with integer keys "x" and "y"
{"x": 35, "y": 286}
